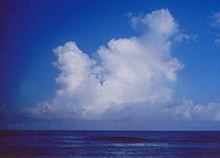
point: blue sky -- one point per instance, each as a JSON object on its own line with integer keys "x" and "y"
{"x": 30, "y": 30}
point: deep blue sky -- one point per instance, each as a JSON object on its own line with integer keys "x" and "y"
{"x": 31, "y": 29}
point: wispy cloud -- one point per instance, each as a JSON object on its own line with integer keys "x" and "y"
{"x": 217, "y": 41}
{"x": 186, "y": 37}
{"x": 216, "y": 22}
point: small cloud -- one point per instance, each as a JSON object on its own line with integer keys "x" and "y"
{"x": 217, "y": 41}
{"x": 190, "y": 111}
{"x": 129, "y": 14}
{"x": 186, "y": 37}
{"x": 216, "y": 22}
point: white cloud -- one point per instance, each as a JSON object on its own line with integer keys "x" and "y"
{"x": 159, "y": 22}
{"x": 216, "y": 22}
{"x": 186, "y": 38}
{"x": 190, "y": 111}
{"x": 129, "y": 72}
{"x": 217, "y": 41}
{"x": 129, "y": 79}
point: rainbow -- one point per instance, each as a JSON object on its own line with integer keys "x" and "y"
{"x": 156, "y": 62}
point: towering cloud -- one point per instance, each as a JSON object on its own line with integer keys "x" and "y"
{"x": 128, "y": 78}
{"x": 128, "y": 72}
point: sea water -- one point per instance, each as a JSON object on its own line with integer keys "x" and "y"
{"x": 109, "y": 144}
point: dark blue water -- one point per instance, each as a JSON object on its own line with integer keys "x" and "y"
{"x": 109, "y": 144}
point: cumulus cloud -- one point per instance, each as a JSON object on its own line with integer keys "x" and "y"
{"x": 159, "y": 22}
{"x": 190, "y": 111}
{"x": 126, "y": 73}
{"x": 186, "y": 38}
{"x": 129, "y": 79}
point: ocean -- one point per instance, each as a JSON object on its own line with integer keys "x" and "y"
{"x": 109, "y": 144}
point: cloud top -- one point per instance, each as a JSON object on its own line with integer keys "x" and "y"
{"x": 159, "y": 22}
